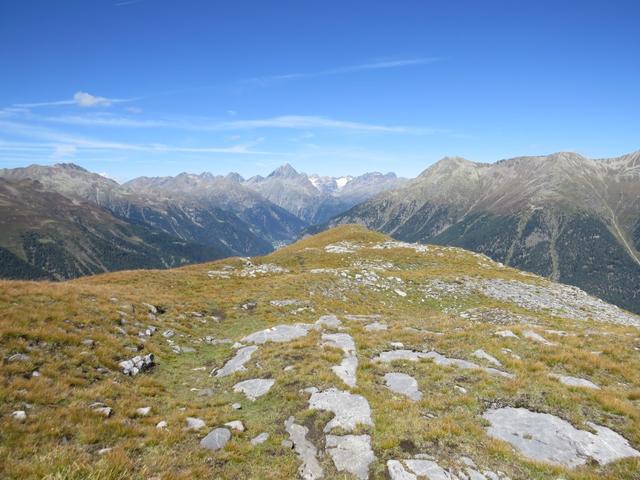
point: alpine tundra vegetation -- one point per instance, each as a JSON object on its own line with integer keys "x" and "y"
{"x": 345, "y": 355}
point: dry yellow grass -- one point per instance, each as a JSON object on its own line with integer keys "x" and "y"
{"x": 61, "y": 438}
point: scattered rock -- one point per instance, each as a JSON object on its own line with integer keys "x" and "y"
{"x": 485, "y": 356}
{"x": 161, "y": 425}
{"x": 347, "y": 369}
{"x": 547, "y": 438}
{"x": 254, "y": 388}
{"x": 236, "y": 406}
{"x": 310, "y": 468}
{"x": 261, "y": 438}
{"x": 137, "y": 364}
{"x": 375, "y": 326}
{"x": 349, "y": 409}
{"x": 18, "y": 357}
{"x": 143, "y": 411}
{"x": 104, "y": 411}
{"x": 351, "y": 453}
{"x": 194, "y": 423}
{"x": 236, "y": 364}
{"x": 19, "y": 415}
{"x": 235, "y": 425}
{"x": 506, "y": 334}
{"x": 403, "y": 384}
{"x": 328, "y": 321}
{"x": 104, "y": 451}
{"x": 216, "y": 439}
{"x": 537, "y": 338}
{"x": 574, "y": 381}
{"x": 400, "y": 292}
{"x": 249, "y": 306}
{"x": 279, "y": 333}
{"x": 168, "y": 333}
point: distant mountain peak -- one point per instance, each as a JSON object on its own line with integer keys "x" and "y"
{"x": 70, "y": 166}
{"x": 284, "y": 171}
{"x": 235, "y": 177}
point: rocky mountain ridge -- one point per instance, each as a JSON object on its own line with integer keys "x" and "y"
{"x": 219, "y": 215}
{"x": 562, "y": 216}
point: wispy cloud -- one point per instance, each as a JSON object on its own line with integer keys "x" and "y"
{"x": 296, "y": 122}
{"x": 63, "y": 142}
{"x": 81, "y": 99}
{"x": 380, "y": 65}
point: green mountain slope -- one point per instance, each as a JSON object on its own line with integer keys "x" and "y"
{"x": 46, "y": 235}
{"x": 563, "y": 216}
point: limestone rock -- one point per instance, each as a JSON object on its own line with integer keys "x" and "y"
{"x": 236, "y": 364}
{"x": 194, "y": 423}
{"x": 351, "y": 453}
{"x": 349, "y": 409}
{"x": 403, "y": 384}
{"x": 310, "y": 468}
{"x": 216, "y": 439}
{"x": 254, "y": 388}
{"x": 547, "y": 438}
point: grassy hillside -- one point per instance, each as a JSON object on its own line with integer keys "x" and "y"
{"x": 75, "y": 333}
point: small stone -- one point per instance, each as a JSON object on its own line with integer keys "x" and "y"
{"x": 143, "y": 411}
{"x": 216, "y": 439}
{"x": 104, "y": 451}
{"x": 398, "y": 345}
{"x": 288, "y": 368}
{"x": 235, "y": 425}
{"x": 287, "y": 444}
{"x": 236, "y": 406}
{"x": 35, "y": 373}
{"x": 19, "y": 415}
{"x": 263, "y": 437}
{"x": 104, "y": 411}
{"x": 161, "y": 425}
{"x": 18, "y": 357}
{"x": 195, "y": 423}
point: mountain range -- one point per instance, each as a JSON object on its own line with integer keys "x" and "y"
{"x": 63, "y": 221}
{"x": 563, "y": 216}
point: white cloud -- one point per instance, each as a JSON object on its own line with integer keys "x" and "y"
{"x": 296, "y": 122}
{"x": 82, "y": 99}
{"x": 64, "y": 150}
{"x": 380, "y": 65}
{"x": 85, "y": 99}
{"x": 57, "y": 139}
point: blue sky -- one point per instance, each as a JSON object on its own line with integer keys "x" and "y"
{"x": 157, "y": 87}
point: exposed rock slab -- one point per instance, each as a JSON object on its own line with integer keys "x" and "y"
{"x": 481, "y": 354}
{"x": 438, "y": 359}
{"x": 375, "y": 326}
{"x": 351, "y": 453}
{"x": 547, "y": 438}
{"x": 328, "y": 321}
{"x": 349, "y": 409}
{"x": 310, "y": 468}
{"x": 236, "y": 364}
{"x": 216, "y": 439}
{"x": 347, "y": 369}
{"x": 255, "y": 387}
{"x": 279, "y": 333}
{"x": 531, "y": 335}
{"x": 403, "y": 384}
{"x": 574, "y": 381}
